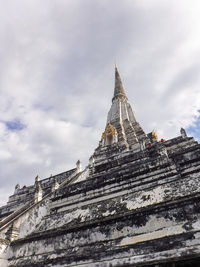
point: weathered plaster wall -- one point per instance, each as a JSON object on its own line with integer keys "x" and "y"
{"x": 135, "y": 209}
{"x": 118, "y": 240}
{"x": 4, "y": 247}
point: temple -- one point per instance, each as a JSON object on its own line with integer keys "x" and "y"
{"x": 137, "y": 203}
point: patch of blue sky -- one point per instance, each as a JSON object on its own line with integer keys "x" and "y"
{"x": 194, "y": 130}
{"x": 15, "y": 125}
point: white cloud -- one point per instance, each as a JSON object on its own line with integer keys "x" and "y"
{"x": 56, "y": 76}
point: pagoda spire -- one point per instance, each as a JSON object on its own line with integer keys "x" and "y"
{"x": 122, "y": 132}
{"x": 129, "y": 133}
{"x": 119, "y": 89}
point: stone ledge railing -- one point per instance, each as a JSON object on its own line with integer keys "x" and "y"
{"x": 16, "y": 214}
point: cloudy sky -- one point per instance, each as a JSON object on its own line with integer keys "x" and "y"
{"x": 57, "y": 77}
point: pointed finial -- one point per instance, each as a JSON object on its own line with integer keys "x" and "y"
{"x": 183, "y": 132}
{"x": 37, "y": 178}
{"x": 38, "y": 193}
{"x": 119, "y": 89}
{"x": 78, "y": 166}
{"x": 55, "y": 185}
{"x": 38, "y": 188}
{"x": 17, "y": 186}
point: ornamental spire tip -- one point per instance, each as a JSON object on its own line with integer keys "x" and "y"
{"x": 119, "y": 90}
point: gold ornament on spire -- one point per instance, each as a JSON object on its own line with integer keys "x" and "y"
{"x": 110, "y": 129}
{"x": 155, "y": 135}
